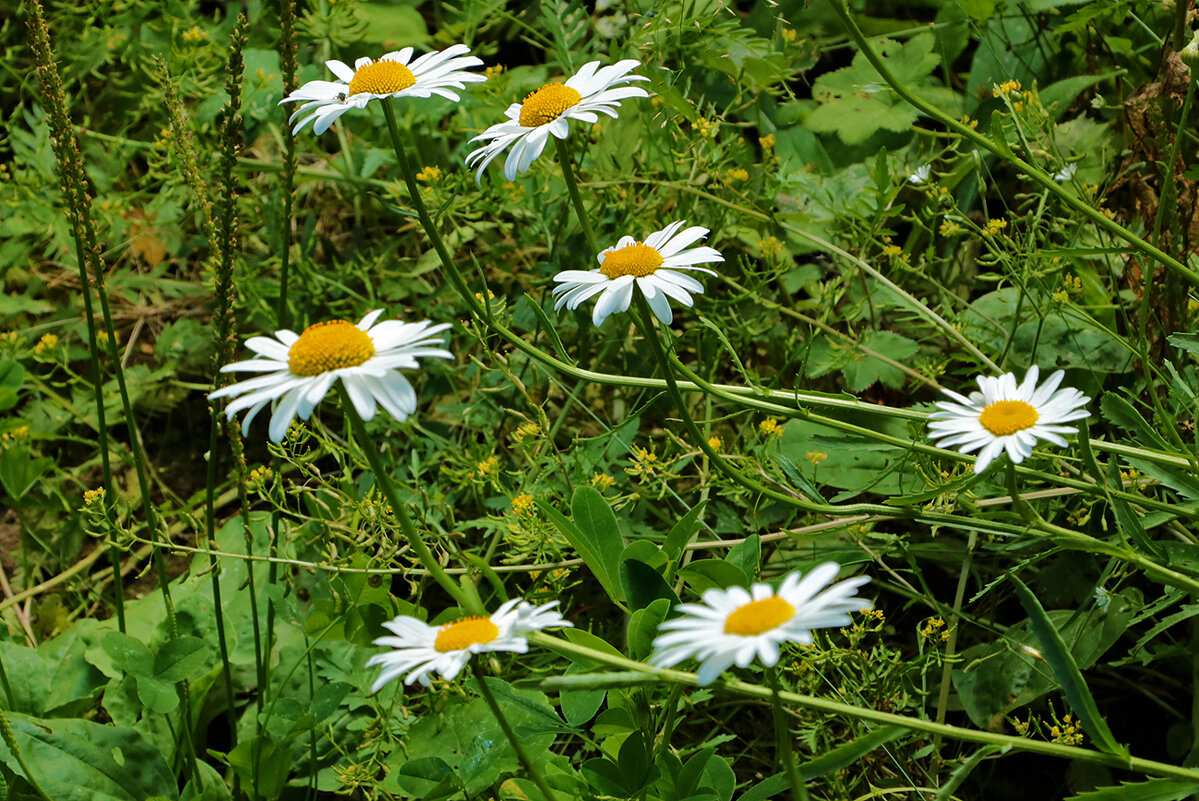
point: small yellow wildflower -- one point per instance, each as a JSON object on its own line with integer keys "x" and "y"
{"x": 525, "y": 431}
{"x": 10, "y": 338}
{"x": 523, "y": 505}
{"x": 736, "y": 174}
{"x": 1021, "y": 726}
{"x": 767, "y": 141}
{"x": 45, "y": 345}
{"x": 429, "y": 175}
{"x": 259, "y": 476}
{"x": 488, "y": 467}
{"x": 994, "y": 226}
{"x": 602, "y": 480}
{"x": 715, "y": 443}
{"x": 20, "y": 432}
{"x": 1006, "y": 89}
{"x": 815, "y": 457}
{"x": 893, "y": 251}
{"x": 705, "y": 127}
{"x": 967, "y": 121}
{"x": 770, "y": 427}
{"x": 769, "y": 246}
{"x": 645, "y": 463}
{"x": 934, "y": 627}
{"x": 949, "y": 228}
{"x": 789, "y": 34}
{"x": 93, "y": 497}
{"x": 493, "y": 71}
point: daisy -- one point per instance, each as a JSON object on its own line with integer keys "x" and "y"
{"x": 550, "y": 109}
{"x": 422, "y": 649}
{"x": 301, "y": 368}
{"x": 1004, "y": 416}
{"x": 393, "y": 75}
{"x": 653, "y": 266}
{"x": 733, "y": 626}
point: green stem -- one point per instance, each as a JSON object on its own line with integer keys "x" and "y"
{"x": 517, "y": 745}
{"x": 385, "y": 485}
{"x": 576, "y": 199}
{"x": 782, "y": 737}
{"x": 837, "y": 708}
{"x": 1035, "y": 174}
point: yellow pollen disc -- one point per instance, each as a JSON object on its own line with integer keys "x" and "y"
{"x": 1007, "y": 417}
{"x": 464, "y": 633}
{"x": 756, "y": 617}
{"x": 636, "y": 259}
{"x": 329, "y": 346}
{"x": 381, "y": 78}
{"x": 547, "y": 104}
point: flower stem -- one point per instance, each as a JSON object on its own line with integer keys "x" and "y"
{"x": 384, "y": 483}
{"x": 517, "y": 746}
{"x": 782, "y": 737}
{"x": 576, "y": 199}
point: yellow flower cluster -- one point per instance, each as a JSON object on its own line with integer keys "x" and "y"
{"x": 1067, "y": 733}
{"x": 94, "y": 497}
{"x": 602, "y": 480}
{"x": 525, "y": 432}
{"x": 715, "y": 443}
{"x": 20, "y": 432}
{"x": 770, "y": 427}
{"x": 994, "y": 226}
{"x": 934, "y": 628}
{"x": 429, "y": 175}
{"x": 523, "y": 505}
{"x": 770, "y": 246}
{"x": 736, "y": 174}
{"x": 45, "y": 345}
{"x": 488, "y": 467}
{"x": 815, "y": 457}
{"x": 767, "y": 141}
{"x": 893, "y": 251}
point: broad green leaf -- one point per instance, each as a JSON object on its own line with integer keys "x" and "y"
{"x": 128, "y": 653}
{"x": 643, "y": 627}
{"x": 1065, "y": 669}
{"x": 746, "y": 555}
{"x": 643, "y": 585}
{"x": 78, "y": 760}
{"x": 180, "y": 659}
{"x": 392, "y": 23}
{"x": 19, "y": 470}
{"x": 704, "y": 574}
{"x": 273, "y": 760}
{"x": 862, "y": 370}
{"x": 594, "y": 534}
{"x": 580, "y": 706}
{"x": 683, "y": 532}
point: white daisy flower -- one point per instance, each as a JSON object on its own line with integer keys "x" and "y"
{"x": 1004, "y": 416}
{"x": 653, "y": 266}
{"x": 420, "y": 649}
{"x": 301, "y": 368}
{"x": 733, "y": 626}
{"x": 549, "y": 110}
{"x": 921, "y": 174}
{"x": 395, "y": 74}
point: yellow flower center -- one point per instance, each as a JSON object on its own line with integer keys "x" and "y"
{"x": 464, "y": 633}
{"x": 756, "y": 617}
{"x": 1007, "y": 417}
{"x": 547, "y": 104}
{"x": 636, "y": 259}
{"x": 381, "y": 78}
{"x": 329, "y": 346}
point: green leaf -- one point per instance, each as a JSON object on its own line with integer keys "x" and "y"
{"x": 594, "y": 535}
{"x": 159, "y": 696}
{"x": 1182, "y": 341}
{"x": 1122, "y": 413}
{"x": 19, "y": 470}
{"x": 1152, "y": 790}
{"x": 391, "y": 23}
{"x": 746, "y": 555}
{"x": 272, "y": 758}
{"x": 835, "y": 760}
{"x": 643, "y": 627}
{"x": 705, "y": 574}
{"x": 128, "y": 653}
{"x": 180, "y": 659}
{"x": 683, "y": 532}
{"x": 1065, "y": 669}
{"x": 862, "y": 370}
{"x": 11, "y": 376}
{"x": 643, "y": 585}
{"x": 855, "y": 102}
{"x": 77, "y": 760}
